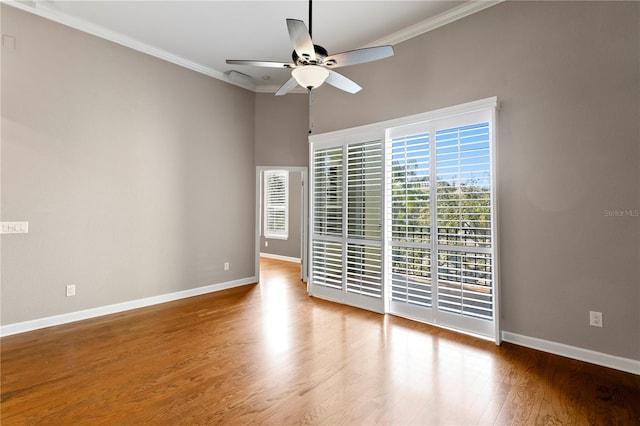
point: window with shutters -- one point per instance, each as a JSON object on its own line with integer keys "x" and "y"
{"x": 404, "y": 212}
{"x": 276, "y": 204}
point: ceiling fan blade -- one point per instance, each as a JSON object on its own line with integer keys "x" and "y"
{"x": 342, "y": 82}
{"x": 265, "y": 64}
{"x": 301, "y": 40}
{"x": 287, "y": 87}
{"x": 359, "y": 56}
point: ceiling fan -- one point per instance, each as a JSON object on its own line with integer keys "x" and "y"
{"x": 312, "y": 65}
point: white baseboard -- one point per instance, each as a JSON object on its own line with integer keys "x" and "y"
{"x": 278, "y": 257}
{"x": 586, "y": 355}
{"x": 23, "y": 327}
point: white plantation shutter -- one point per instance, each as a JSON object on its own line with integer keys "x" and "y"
{"x": 327, "y": 192}
{"x": 464, "y": 283}
{"x": 347, "y": 205}
{"x": 463, "y": 169}
{"x": 409, "y": 205}
{"x": 364, "y": 186}
{"x": 364, "y": 270}
{"x": 327, "y": 263}
{"x": 463, "y": 160}
{"x": 276, "y": 209}
{"x": 411, "y": 275}
{"x": 364, "y": 219}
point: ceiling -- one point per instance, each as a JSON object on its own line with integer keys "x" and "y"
{"x": 200, "y": 35}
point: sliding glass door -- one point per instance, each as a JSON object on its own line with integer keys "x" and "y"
{"x": 404, "y": 218}
{"x": 440, "y": 222}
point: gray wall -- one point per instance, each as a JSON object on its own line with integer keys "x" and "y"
{"x": 291, "y": 247}
{"x": 137, "y": 176}
{"x": 281, "y": 140}
{"x": 568, "y": 80}
{"x": 281, "y": 130}
{"x": 122, "y": 162}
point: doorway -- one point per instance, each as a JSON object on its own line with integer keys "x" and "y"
{"x": 289, "y": 242}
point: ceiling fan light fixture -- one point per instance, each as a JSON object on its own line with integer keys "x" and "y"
{"x": 311, "y": 64}
{"x": 310, "y": 76}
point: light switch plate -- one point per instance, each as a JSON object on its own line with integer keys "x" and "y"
{"x": 15, "y": 227}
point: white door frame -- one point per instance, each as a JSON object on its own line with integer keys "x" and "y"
{"x": 304, "y": 171}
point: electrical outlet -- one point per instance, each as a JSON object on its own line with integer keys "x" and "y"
{"x": 226, "y": 266}
{"x": 266, "y": 243}
{"x": 8, "y": 41}
{"x": 71, "y": 290}
{"x": 595, "y": 319}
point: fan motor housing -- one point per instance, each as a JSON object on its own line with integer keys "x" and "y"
{"x": 321, "y": 54}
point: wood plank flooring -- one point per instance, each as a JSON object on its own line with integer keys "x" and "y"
{"x": 269, "y": 354}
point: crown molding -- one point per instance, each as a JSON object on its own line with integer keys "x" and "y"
{"x": 451, "y": 15}
{"x": 42, "y": 9}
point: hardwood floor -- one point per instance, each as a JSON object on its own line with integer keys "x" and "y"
{"x": 269, "y": 354}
